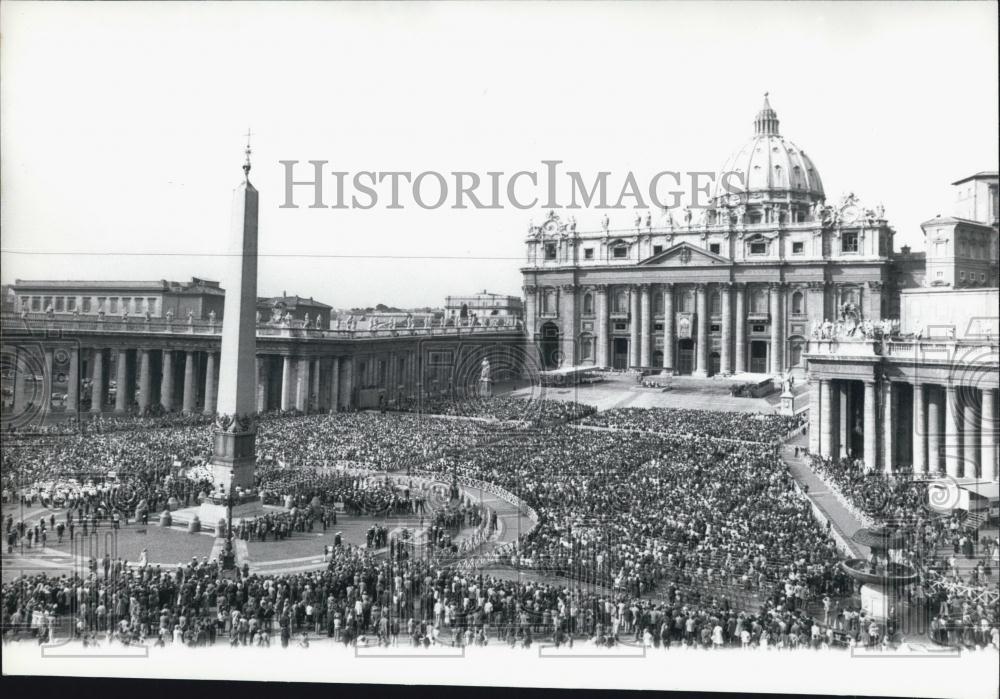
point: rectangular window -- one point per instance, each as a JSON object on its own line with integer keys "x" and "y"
{"x": 620, "y": 326}
{"x": 85, "y": 304}
{"x": 113, "y": 305}
{"x": 71, "y": 303}
{"x": 658, "y": 327}
{"x": 620, "y": 252}
{"x": 849, "y": 242}
{"x": 714, "y": 248}
{"x": 36, "y": 303}
{"x": 798, "y": 248}
{"x": 657, "y": 249}
{"x": 758, "y": 248}
{"x": 46, "y": 303}
{"x": 60, "y": 304}
{"x": 758, "y": 328}
{"x": 588, "y": 253}
{"x": 961, "y": 276}
{"x": 982, "y": 276}
{"x": 550, "y": 251}
{"x": 716, "y": 328}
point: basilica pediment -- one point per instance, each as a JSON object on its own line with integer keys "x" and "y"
{"x": 686, "y": 255}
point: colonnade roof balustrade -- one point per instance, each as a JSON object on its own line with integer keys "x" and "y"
{"x": 964, "y": 351}
{"x": 116, "y": 325}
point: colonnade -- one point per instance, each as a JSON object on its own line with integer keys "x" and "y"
{"x": 184, "y": 380}
{"x": 935, "y": 428}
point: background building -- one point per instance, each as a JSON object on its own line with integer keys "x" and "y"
{"x": 273, "y": 308}
{"x": 482, "y": 306}
{"x": 198, "y": 297}
{"x": 734, "y": 291}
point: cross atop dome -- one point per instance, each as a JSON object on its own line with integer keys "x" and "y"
{"x": 766, "y": 122}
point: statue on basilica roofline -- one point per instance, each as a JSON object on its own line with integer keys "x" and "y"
{"x": 605, "y": 223}
{"x": 687, "y": 216}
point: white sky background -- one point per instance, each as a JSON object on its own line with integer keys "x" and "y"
{"x": 122, "y": 123}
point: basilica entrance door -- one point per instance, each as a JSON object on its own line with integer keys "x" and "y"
{"x": 714, "y": 364}
{"x": 685, "y": 356}
{"x": 549, "y": 346}
{"x": 620, "y": 357}
{"x": 758, "y": 357}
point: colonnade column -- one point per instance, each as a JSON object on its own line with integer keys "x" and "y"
{"x": 645, "y": 336}
{"x": 335, "y": 384}
{"x": 988, "y": 434}
{"x": 777, "y": 327}
{"x": 302, "y": 385}
{"x": 263, "y": 378}
{"x": 726, "y": 356}
{"x": 889, "y": 428}
{"x": 701, "y": 368}
{"x": 47, "y": 378}
{"x": 188, "y": 402}
{"x": 286, "y": 383}
{"x": 633, "y": 326}
{"x": 121, "y": 381}
{"x": 970, "y": 432}
{"x": 952, "y": 438}
{"x": 314, "y": 394}
{"x": 741, "y": 328}
{"x": 97, "y": 381}
{"x": 844, "y": 417}
{"x": 815, "y": 415}
{"x": 668, "y": 328}
{"x": 73, "y": 386}
{"x": 210, "y": 393}
{"x": 348, "y": 387}
{"x": 871, "y": 428}
{"x": 144, "y": 380}
{"x": 934, "y": 465}
{"x": 568, "y": 317}
{"x": 167, "y": 380}
{"x": 601, "y": 306}
{"x": 919, "y": 430}
{"x": 825, "y": 416}
{"x": 530, "y": 304}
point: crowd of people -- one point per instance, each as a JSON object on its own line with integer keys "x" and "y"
{"x": 744, "y": 427}
{"x": 675, "y": 527}
{"x": 505, "y": 409}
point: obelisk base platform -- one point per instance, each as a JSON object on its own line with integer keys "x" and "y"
{"x": 210, "y": 511}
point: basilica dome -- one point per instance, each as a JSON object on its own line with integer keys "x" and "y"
{"x": 769, "y": 167}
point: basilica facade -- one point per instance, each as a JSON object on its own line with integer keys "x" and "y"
{"x": 736, "y": 289}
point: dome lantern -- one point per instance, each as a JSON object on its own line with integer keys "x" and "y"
{"x": 766, "y": 122}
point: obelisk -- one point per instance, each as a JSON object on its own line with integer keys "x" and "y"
{"x": 234, "y": 454}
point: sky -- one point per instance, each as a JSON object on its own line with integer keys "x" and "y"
{"x": 121, "y": 124}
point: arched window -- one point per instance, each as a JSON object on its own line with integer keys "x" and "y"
{"x": 621, "y": 301}
{"x": 758, "y": 301}
{"x": 715, "y": 304}
{"x": 588, "y": 304}
{"x": 797, "y": 303}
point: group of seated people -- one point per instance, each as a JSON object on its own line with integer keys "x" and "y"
{"x": 740, "y": 426}
{"x": 503, "y": 408}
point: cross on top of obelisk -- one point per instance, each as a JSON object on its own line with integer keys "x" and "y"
{"x": 246, "y": 164}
